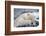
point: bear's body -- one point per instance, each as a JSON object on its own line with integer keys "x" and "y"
{"x": 26, "y": 18}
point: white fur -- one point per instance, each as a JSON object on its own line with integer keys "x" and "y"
{"x": 25, "y": 19}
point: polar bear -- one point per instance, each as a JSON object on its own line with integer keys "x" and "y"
{"x": 26, "y": 18}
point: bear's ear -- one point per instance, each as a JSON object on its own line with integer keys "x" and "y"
{"x": 28, "y": 14}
